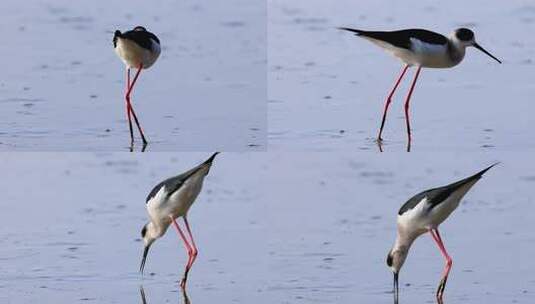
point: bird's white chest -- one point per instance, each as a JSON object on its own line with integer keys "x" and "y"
{"x": 414, "y": 221}
{"x": 133, "y": 55}
{"x": 434, "y": 55}
{"x": 420, "y": 218}
{"x": 162, "y": 205}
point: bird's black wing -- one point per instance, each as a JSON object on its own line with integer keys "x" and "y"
{"x": 141, "y": 38}
{"x": 436, "y": 196}
{"x": 402, "y": 38}
{"x": 172, "y": 184}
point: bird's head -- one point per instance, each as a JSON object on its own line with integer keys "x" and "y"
{"x": 149, "y": 235}
{"x": 140, "y": 29}
{"x": 116, "y": 36}
{"x": 465, "y": 37}
{"x": 395, "y": 259}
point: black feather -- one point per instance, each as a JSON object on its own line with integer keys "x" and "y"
{"x": 138, "y": 35}
{"x": 402, "y": 38}
{"x": 173, "y": 184}
{"x": 436, "y": 196}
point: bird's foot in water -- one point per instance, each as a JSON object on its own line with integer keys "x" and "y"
{"x": 441, "y": 287}
{"x": 379, "y": 142}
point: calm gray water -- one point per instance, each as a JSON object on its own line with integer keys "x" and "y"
{"x": 271, "y": 228}
{"x": 327, "y": 88}
{"x": 334, "y": 222}
{"x": 62, "y": 85}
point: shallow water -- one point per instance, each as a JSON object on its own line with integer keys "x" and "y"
{"x": 334, "y": 222}
{"x": 330, "y": 96}
{"x": 62, "y": 85}
{"x": 271, "y": 228}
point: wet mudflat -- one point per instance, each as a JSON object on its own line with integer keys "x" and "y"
{"x": 62, "y": 85}
{"x": 327, "y": 87}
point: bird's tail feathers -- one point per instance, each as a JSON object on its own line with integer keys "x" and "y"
{"x": 356, "y": 31}
{"x": 476, "y": 176}
{"x": 480, "y": 173}
{"x": 209, "y": 161}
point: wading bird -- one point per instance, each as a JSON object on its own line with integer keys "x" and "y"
{"x": 138, "y": 49}
{"x": 423, "y": 213}
{"x": 170, "y": 200}
{"x": 420, "y": 48}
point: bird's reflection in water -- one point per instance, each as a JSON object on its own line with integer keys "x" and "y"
{"x": 396, "y": 299}
{"x": 143, "y": 148}
{"x": 185, "y": 298}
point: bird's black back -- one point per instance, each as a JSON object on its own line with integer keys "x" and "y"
{"x": 138, "y": 35}
{"x": 402, "y": 38}
{"x": 438, "y": 195}
{"x": 172, "y": 184}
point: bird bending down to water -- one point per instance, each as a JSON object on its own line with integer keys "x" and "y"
{"x": 138, "y": 49}
{"x": 420, "y": 48}
{"x": 170, "y": 200}
{"x": 423, "y": 213}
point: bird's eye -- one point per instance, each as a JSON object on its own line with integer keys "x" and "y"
{"x": 389, "y": 260}
{"x": 465, "y": 34}
{"x": 143, "y": 231}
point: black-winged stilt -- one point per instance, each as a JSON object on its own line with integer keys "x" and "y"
{"x": 420, "y": 48}
{"x": 138, "y": 49}
{"x": 170, "y": 200}
{"x": 423, "y": 213}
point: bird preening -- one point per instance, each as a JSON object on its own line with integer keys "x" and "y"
{"x": 423, "y": 213}
{"x": 420, "y": 48}
{"x": 169, "y": 200}
{"x": 138, "y": 49}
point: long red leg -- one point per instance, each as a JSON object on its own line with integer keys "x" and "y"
{"x": 130, "y": 104}
{"x": 407, "y": 118}
{"x": 195, "y": 251}
{"x": 128, "y": 108}
{"x": 389, "y": 100}
{"x": 449, "y": 262}
{"x": 188, "y": 248}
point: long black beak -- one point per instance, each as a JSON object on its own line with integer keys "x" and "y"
{"x": 396, "y": 287}
{"x": 145, "y": 253}
{"x": 479, "y": 47}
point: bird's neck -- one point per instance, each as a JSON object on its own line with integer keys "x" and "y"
{"x": 158, "y": 230}
{"x": 403, "y": 242}
{"x": 456, "y": 51}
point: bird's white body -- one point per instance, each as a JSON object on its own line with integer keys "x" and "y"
{"x": 161, "y": 207}
{"x": 169, "y": 200}
{"x": 423, "y": 213}
{"x": 133, "y": 55}
{"x": 420, "y": 220}
{"x": 425, "y": 54}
